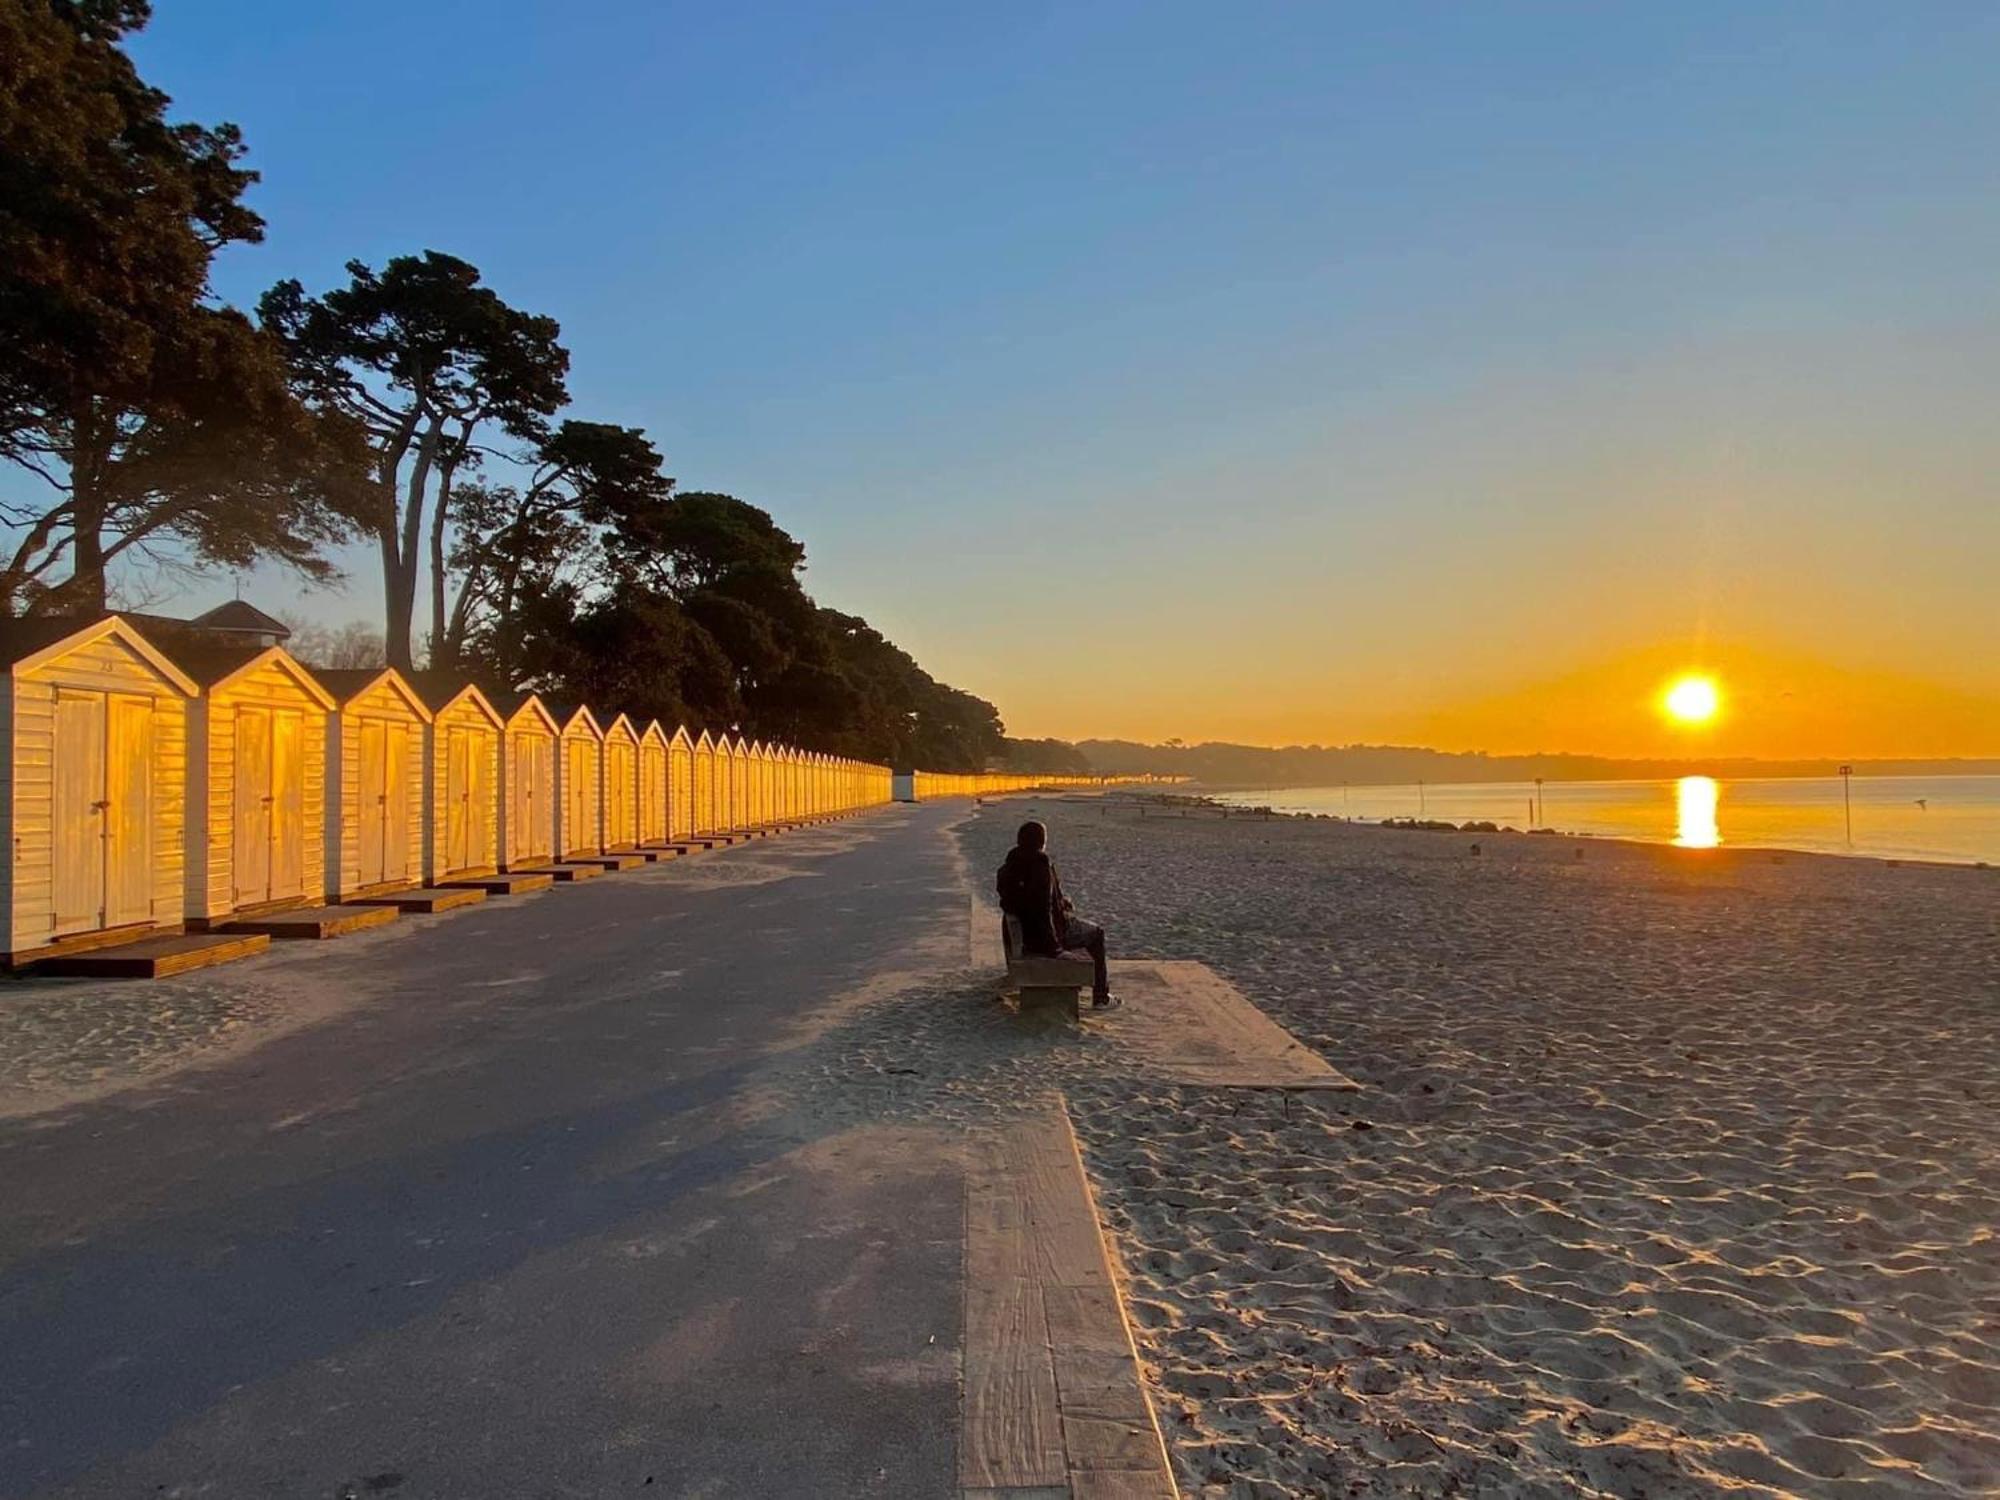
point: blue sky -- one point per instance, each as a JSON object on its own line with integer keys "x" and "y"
{"x": 1300, "y": 371}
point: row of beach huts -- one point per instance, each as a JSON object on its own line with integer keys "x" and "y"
{"x": 171, "y": 785}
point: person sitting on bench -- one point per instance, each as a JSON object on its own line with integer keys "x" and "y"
{"x": 1031, "y": 892}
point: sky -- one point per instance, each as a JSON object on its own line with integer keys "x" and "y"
{"x": 1277, "y": 373}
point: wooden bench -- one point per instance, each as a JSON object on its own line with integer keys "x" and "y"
{"x": 1044, "y": 981}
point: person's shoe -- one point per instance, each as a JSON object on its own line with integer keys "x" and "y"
{"x": 1105, "y": 1001}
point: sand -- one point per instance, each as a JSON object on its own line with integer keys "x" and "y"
{"x": 1675, "y": 1173}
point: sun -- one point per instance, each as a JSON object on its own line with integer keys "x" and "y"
{"x": 1693, "y": 699}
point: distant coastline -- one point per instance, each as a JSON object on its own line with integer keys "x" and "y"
{"x": 1225, "y": 766}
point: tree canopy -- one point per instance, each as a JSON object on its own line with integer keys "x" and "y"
{"x": 421, "y": 358}
{"x": 144, "y": 424}
{"x": 140, "y": 422}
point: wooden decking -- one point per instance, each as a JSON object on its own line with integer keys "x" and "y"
{"x": 312, "y": 923}
{"x": 506, "y": 883}
{"x": 156, "y": 957}
{"x": 1189, "y": 1022}
{"x": 617, "y": 859}
{"x": 568, "y": 871}
{"x": 426, "y": 901}
{"x": 1054, "y": 1408}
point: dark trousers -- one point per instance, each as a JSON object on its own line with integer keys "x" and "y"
{"x": 1089, "y": 937}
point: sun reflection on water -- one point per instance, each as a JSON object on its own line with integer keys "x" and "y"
{"x": 1695, "y": 799}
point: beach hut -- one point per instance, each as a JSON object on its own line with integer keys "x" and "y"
{"x": 462, "y": 818}
{"x": 621, "y": 785}
{"x": 704, "y": 786}
{"x": 728, "y": 786}
{"x": 680, "y": 786}
{"x": 579, "y": 783}
{"x": 653, "y": 756}
{"x": 257, "y": 781}
{"x": 781, "y": 772}
{"x": 91, "y": 816}
{"x": 527, "y": 782}
{"x": 375, "y": 782}
{"x": 755, "y": 785}
{"x": 768, "y": 767}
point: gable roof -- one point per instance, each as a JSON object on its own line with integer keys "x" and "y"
{"x": 440, "y": 690}
{"x": 510, "y": 706}
{"x": 567, "y": 714}
{"x": 682, "y": 737}
{"x": 216, "y": 666}
{"x": 655, "y": 730}
{"x": 27, "y": 644}
{"x": 625, "y": 719}
{"x": 348, "y": 683}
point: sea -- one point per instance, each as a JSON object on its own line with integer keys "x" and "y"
{"x": 1955, "y": 819}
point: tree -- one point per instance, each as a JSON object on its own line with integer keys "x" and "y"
{"x": 147, "y": 422}
{"x": 355, "y": 644}
{"x": 423, "y": 358}
{"x": 515, "y": 539}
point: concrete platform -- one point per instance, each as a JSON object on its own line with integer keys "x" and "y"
{"x": 313, "y": 923}
{"x": 425, "y": 902}
{"x": 507, "y": 883}
{"x": 156, "y": 957}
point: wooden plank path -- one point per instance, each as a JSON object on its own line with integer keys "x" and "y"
{"x": 1054, "y": 1408}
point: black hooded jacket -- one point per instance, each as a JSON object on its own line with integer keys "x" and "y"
{"x": 1031, "y": 891}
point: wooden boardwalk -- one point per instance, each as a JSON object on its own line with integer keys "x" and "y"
{"x": 1054, "y": 1406}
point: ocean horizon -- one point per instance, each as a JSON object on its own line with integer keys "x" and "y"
{"x": 1950, "y": 818}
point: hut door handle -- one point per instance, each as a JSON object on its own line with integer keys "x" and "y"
{"x": 104, "y": 806}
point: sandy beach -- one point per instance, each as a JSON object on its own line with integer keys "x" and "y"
{"x": 1675, "y": 1173}
{"x": 1681, "y": 1174}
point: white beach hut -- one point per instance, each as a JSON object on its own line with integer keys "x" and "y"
{"x": 375, "y": 782}
{"x": 462, "y": 819}
{"x": 527, "y": 781}
{"x": 92, "y": 812}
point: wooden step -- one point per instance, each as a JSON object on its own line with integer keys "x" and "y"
{"x": 157, "y": 957}
{"x": 568, "y": 872}
{"x": 623, "y": 859}
{"x": 508, "y": 883}
{"x": 656, "y": 853}
{"x": 314, "y": 923}
{"x": 426, "y": 902}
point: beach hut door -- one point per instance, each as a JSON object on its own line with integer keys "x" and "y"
{"x": 80, "y": 839}
{"x": 128, "y": 832}
{"x": 372, "y": 815}
{"x": 458, "y": 800}
{"x": 270, "y": 804}
{"x": 253, "y": 805}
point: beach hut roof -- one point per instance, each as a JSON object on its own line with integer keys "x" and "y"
{"x": 682, "y": 737}
{"x": 512, "y": 706}
{"x": 566, "y": 714}
{"x": 348, "y": 683}
{"x": 655, "y": 730}
{"x": 26, "y": 644}
{"x": 239, "y": 617}
{"x": 625, "y": 719}
{"x": 215, "y": 666}
{"x": 442, "y": 692}
{"x": 704, "y": 741}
